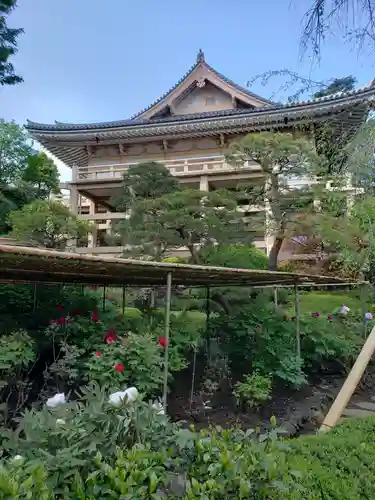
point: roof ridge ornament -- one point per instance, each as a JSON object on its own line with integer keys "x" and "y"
{"x": 200, "y": 56}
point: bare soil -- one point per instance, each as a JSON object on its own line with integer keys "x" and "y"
{"x": 298, "y": 412}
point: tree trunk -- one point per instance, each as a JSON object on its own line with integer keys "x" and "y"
{"x": 274, "y": 253}
{"x": 216, "y": 297}
{"x": 194, "y": 255}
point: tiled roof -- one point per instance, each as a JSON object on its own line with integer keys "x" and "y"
{"x": 335, "y": 98}
{"x": 201, "y": 61}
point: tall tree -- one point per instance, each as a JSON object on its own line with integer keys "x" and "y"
{"x": 8, "y": 44}
{"x": 47, "y": 223}
{"x": 186, "y": 218}
{"x": 354, "y": 18}
{"x": 297, "y": 86}
{"x": 142, "y": 181}
{"x": 14, "y": 152}
{"x": 281, "y": 158}
{"x": 345, "y": 84}
{"x": 42, "y": 173}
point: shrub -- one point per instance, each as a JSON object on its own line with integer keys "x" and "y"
{"x": 90, "y": 449}
{"x": 336, "y": 465}
{"x": 132, "y": 360}
{"x": 254, "y": 390}
{"x": 325, "y": 341}
{"x": 259, "y": 338}
{"x": 17, "y": 355}
{"x": 236, "y": 255}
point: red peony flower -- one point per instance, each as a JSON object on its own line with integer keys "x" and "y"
{"x": 59, "y": 307}
{"x": 98, "y": 354}
{"x": 315, "y": 315}
{"x": 62, "y": 321}
{"x": 110, "y": 336}
{"x": 94, "y": 316}
{"x": 119, "y": 367}
{"x": 162, "y": 341}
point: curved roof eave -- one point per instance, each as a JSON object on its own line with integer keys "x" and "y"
{"x": 320, "y": 105}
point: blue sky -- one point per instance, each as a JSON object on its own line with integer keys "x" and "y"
{"x": 90, "y": 60}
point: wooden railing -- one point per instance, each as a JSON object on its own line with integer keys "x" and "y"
{"x": 178, "y": 167}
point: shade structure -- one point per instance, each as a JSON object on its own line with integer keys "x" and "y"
{"x": 33, "y": 265}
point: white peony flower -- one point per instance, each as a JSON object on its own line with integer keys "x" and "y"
{"x": 56, "y": 400}
{"x": 129, "y": 395}
{"x": 159, "y": 408}
{"x": 17, "y": 460}
{"x": 60, "y": 421}
{"x": 117, "y": 398}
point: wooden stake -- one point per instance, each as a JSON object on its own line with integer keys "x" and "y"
{"x": 350, "y": 384}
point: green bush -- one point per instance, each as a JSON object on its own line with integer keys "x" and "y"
{"x": 336, "y": 465}
{"x": 90, "y": 449}
{"x": 133, "y": 360}
{"x": 236, "y": 255}
{"x": 254, "y": 390}
{"x": 259, "y": 338}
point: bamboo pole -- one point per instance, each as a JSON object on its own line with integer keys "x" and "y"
{"x": 350, "y": 384}
{"x": 363, "y": 303}
{"x": 123, "y": 299}
{"x": 275, "y": 298}
{"x": 167, "y": 327}
{"x": 298, "y": 330}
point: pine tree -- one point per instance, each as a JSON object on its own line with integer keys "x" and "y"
{"x": 8, "y": 44}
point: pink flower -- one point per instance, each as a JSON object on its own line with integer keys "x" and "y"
{"x": 98, "y": 354}
{"x": 119, "y": 367}
{"x": 315, "y": 315}
{"x": 94, "y": 316}
{"x": 162, "y": 341}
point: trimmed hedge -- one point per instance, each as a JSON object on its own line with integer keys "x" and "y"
{"x": 337, "y": 465}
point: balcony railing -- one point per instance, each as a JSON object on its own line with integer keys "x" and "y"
{"x": 179, "y": 167}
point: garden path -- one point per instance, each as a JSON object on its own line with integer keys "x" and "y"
{"x": 360, "y": 408}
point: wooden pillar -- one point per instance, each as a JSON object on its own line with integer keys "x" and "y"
{"x": 73, "y": 199}
{"x": 203, "y": 183}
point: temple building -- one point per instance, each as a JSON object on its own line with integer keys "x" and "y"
{"x": 188, "y": 129}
